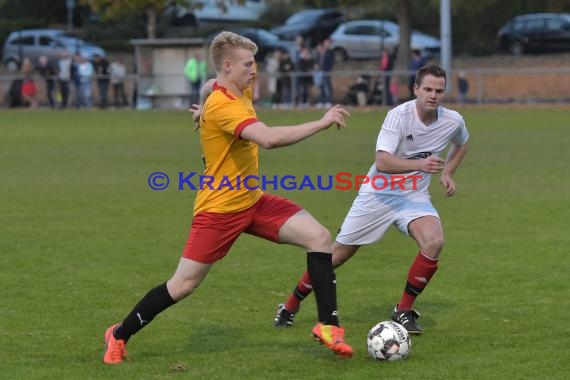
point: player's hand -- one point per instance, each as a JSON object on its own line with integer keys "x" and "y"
{"x": 196, "y": 111}
{"x": 449, "y": 184}
{"x": 335, "y": 115}
{"x": 432, "y": 164}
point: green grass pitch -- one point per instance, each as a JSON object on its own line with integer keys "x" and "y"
{"x": 83, "y": 237}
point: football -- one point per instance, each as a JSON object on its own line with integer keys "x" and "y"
{"x": 388, "y": 341}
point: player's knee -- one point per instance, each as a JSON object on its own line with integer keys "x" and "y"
{"x": 180, "y": 288}
{"x": 339, "y": 258}
{"x": 433, "y": 246}
{"x": 321, "y": 240}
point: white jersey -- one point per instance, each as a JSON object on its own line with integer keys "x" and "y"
{"x": 404, "y": 135}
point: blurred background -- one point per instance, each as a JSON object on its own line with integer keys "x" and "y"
{"x": 515, "y": 51}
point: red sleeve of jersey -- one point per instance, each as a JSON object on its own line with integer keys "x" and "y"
{"x": 241, "y": 126}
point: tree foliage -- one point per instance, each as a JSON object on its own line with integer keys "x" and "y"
{"x": 115, "y": 9}
{"x": 153, "y": 9}
{"x": 474, "y": 23}
{"x": 47, "y": 11}
{"x": 24, "y": 14}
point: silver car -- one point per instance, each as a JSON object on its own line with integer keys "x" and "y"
{"x": 33, "y": 43}
{"x": 365, "y": 39}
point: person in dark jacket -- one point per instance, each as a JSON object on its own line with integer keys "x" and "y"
{"x": 325, "y": 59}
{"x": 47, "y": 70}
{"x": 101, "y": 68}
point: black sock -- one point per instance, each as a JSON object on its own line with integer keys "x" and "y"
{"x": 320, "y": 268}
{"x": 153, "y": 303}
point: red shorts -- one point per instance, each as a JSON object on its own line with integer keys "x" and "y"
{"x": 213, "y": 234}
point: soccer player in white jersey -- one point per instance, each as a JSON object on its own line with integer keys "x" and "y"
{"x": 408, "y": 150}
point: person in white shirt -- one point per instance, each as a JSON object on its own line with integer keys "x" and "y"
{"x": 85, "y": 71}
{"x": 272, "y": 69}
{"x": 64, "y": 76}
{"x": 408, "y": 150}
{"x": 118, "y": 74}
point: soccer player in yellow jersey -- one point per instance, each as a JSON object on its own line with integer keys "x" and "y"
{"x": 230, "y": 134}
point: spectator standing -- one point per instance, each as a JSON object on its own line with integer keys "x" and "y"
{"x": 386, "y": 67}
{"x": 286, "y": 67}
{"x": 299, "y": 46}
{"x": 101, "y": 68}
{"x": 416, "y": 63}
{"x": 306, "y": 67}
{"x": 76, "y": 80}
{"x": 272, "y": 69}
{"x": 462, "y": 87}
{"x": 85, "y": 71}
{"x": 64, "y": 76}
{"x": 118, "y": 74}
{"x": 196, "y": 73}
{"x": 295, "y": 78}
{"x": 325, "y": 57}
{"x": 394, "y": 90}
{"x": 47, "y": 71}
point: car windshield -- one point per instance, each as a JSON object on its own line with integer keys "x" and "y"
{"x": 306, "y": 16}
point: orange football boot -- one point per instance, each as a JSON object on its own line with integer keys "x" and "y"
{"x": 332, "y": 337}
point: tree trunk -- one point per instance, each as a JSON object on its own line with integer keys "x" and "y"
{"x": 151, "y": 23}
{"x": 404, "y": 18}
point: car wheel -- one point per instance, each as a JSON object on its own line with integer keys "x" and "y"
{"x": 12, "y": 65}
{"x": 516, "y": 48}
{"x": 340, "y": 55}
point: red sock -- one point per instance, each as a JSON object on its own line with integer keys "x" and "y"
{"x": 303, "y": 289}
{"x": 421, "y": 271}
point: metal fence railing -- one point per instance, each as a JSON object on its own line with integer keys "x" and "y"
{"x": 486, "y": 86}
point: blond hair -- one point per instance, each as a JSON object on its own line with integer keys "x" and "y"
{"x": 223, "y": 44}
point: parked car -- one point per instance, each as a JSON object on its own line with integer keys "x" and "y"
{"x": 538, "y": 32}
{"x": 266, "y": 41}
{"x": 33, "y": 43}
{"x": 216, "y": 11}
{"x": 314, "y": 25}
{"x": 365, "y": 39}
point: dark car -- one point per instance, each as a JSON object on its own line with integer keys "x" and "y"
{"x": 314, "y": 25}
{"x": 266, "y": 41}
{"x": 532, "y": 33}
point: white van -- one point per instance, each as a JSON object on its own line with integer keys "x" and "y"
{"x": 204, "y": 11}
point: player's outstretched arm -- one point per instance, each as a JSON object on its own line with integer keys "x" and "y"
{"x": 275, "y": 137}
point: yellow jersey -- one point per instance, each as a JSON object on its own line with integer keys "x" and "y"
{"x": 231, "y": 171}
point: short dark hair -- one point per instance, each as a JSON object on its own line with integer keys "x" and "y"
{"x": 430, "y": 69}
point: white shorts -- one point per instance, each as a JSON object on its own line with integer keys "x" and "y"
{"x": 372, "y": 214}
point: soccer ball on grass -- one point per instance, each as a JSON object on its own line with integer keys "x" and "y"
{"x": 388, "y": 341}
